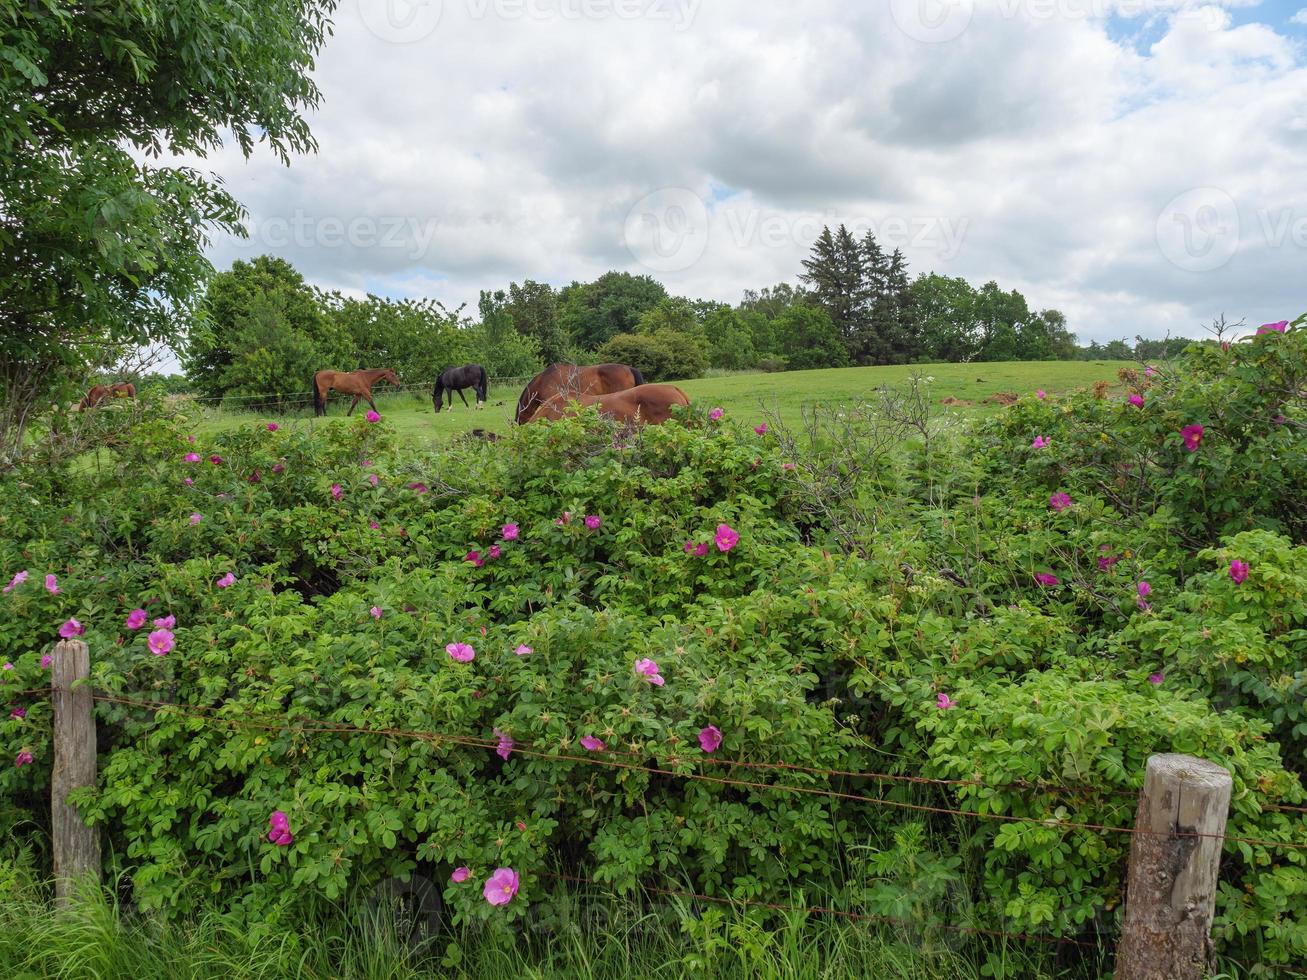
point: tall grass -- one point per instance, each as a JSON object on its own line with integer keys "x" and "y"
{"x": 383, "y": 940}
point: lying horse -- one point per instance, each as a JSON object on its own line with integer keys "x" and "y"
{"x": 356, "y": 383}
{"x": 98, "y": 393}
{"x": 456, "y": 379}
{"x": 570, "y": 380}
{"x": 641, "y": 405}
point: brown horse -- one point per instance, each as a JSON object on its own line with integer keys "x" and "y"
{"x": 641, "y": 405}
{"x": 356, "y": 383}
{"x": 570, "y": 380}
{"x": 98, "y": 393}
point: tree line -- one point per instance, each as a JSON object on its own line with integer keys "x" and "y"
{"x": 263, "y": 329}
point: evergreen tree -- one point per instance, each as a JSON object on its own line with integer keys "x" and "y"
{"x": 836, "y": 271}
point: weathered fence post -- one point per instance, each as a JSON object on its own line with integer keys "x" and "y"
{"x": 76, "y": 846}
{"x": 1171, "y": 890}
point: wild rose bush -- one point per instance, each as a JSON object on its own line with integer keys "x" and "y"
{"x": 667, "y": 606}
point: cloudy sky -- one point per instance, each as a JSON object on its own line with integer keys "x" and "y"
{"x": 1137, "y": 164}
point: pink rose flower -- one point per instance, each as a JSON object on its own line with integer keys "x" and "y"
{"x": 761, "y": 428}
{"x": 1192, "y": 435}
{"x": 376, "y": 612}
{"x": 647, "y": 669}
{"x": 226, "y": 581}
{"x": 71, "y": 629}
{"x": 166, "y": 622}
{"x": 460, "y": 875}
{"x": 159, "y": 642}
{"x": 279, "y": 829}
{"x": 51, "y": 585}
{"x": 1059, "y": 501}
{"x": 18, "y": 579}
{"x": 944, "y": 702}
{"x": 726, "y": 538}
{"x": 474, "y": 558}
{"x": 510, "y": 532}
{"x": 1136, "y": 399}
{"x": 336, "y": 491}
{"x": 273, "y": 427}
{"x": 523, "y": 650}
{"x": 501, "y": 886}
{"x": 505, "y": 747}
{"x": 592, "y": 744}
{"x": 1040, "y": 443}
{"x": 1156, "y": 678}
{"x": 1041, "y": 394}
{"x": 1239, "y": 571}
{"x": 710, "y": 738}
{"x": 592, "y": 521}
{"x": 196, "y": 518}
{"x": 1045, "y": 578}
{"x": 23, "y": 758}
{"x": 372, "y": 416}
{"x": 716, "y": 413}
{"x": 192, "y": 457}
{"x": 1278, "y": 327}
{"x": 462, "y": 652}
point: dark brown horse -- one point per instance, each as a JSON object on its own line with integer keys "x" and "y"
{"x": 356, "y": 383}
{"x": 641, "y": 405}
{"x": 570, "y": 380}
{"x": 98, "y": 393}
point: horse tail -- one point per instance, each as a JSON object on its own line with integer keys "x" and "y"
{"x": 318, "y": 407}
{"x": 485, "y": 382}
{"x": 639, "y": 378}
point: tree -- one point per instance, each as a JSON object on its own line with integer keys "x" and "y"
{"x": 1001, "y": 317}
{"x": 534, "y": 309}
{"x": 809, "y": 338}
{"x": 500, "y": 349}
{"x": 248, "y": 301}
{"x": 591, "y": 313}
{"x": 946, "y": 310}
{"x": 730, "y": 341}
{"x": 98, "y": 252}
{"x": 836, "y": 270}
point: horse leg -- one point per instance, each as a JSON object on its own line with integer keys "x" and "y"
{"x": 352, "y": 405}
{"x": 460, "y": 395}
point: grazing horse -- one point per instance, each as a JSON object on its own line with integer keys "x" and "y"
{"x": 570, "y": 380}
{"x": 641, "y": 405}
{"x": 356, "y": 383}
{"x": 456, "y": 379}
{"x": 98, "y": 393}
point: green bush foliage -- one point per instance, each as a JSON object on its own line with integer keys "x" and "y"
{"x": 318, "y": 683}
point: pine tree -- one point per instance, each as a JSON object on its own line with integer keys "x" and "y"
{"x": 837, "y": 274}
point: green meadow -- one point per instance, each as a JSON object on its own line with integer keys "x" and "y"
{"x": 744, "y": 396}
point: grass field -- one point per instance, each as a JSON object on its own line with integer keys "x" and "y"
{"x": 744, "y": 396}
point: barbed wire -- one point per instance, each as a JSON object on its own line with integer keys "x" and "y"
{"x": 299, "y": 395}
{"x": 314, "y": 726}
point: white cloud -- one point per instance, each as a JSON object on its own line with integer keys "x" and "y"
{"x": 1036, "y": 147}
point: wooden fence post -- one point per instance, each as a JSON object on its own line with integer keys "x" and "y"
{"x": 76, "y": 846}
{"x": 1171, "y": 890}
